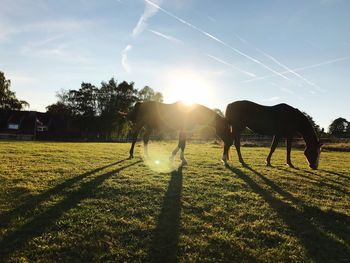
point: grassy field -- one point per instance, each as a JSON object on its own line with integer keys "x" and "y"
{"x": 84, "y": 202}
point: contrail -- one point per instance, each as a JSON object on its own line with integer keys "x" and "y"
{"x": 300, "y": 68}
{"x": 277, "y": 62}
{"x": 216, "y": 39}
{"x": 231, "y": 65}
{"x": 167, "y": 37}
{"x": 288, "y": 69}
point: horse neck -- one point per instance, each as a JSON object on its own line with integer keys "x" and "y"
{"x": 214, "y": 116}
{"x": 308, "y": 133}
{"x": 209, "y": 116}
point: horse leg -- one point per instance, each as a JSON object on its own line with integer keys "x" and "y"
{"x": 225, "y": 155}
{"x": 145, "y": 141}
{"x": 289, "y": 149}
{"x": 238, "y": 148}
{"x": 274, "y": 144}
{"x": 174, "y": 152}
{"x": 135, "y": 132}
{"x": 177, "y": 148}
{"x": 182, "y": 144}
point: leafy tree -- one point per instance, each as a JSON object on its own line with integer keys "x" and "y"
{"x": 339, "y": 127}
{"x": 347, "y": 132}
{"x": 83, "y": 102}
{"x": 8, "y": 99}
{"x": 114, "y": 98}
{"x": 148, "y": 94}
{"x": 59, "y": 107}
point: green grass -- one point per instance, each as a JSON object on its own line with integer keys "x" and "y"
{"x": 84, "y": 202}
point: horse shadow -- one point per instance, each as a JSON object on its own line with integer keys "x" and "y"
{"x": 310, "y": 225}
{"x": 337, "y": 174}
{"x": 165, "y": 241}
{"x": 18, "y": 238}
{"x": 34, "y": 201}
{"x": 318, "y": 181}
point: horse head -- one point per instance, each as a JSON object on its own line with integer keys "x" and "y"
{"x": 312, "y": 154}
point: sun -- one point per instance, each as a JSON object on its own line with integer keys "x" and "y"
{"x": 188, "y": 87}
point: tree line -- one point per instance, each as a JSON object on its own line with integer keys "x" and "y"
{"x": 96, "y": 108}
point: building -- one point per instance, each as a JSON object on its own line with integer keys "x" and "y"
{"x": 32, "y": 125}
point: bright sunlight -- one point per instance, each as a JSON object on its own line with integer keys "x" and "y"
{"x": 188, "y": 87}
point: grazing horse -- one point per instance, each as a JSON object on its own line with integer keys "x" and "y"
{"x": 281, "y": 121}
{"x": 174, "y": 117}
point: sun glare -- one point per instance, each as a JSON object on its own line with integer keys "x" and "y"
{"x": 189, "y": 88}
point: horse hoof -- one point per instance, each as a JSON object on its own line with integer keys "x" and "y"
{"x": 268, "y": 164}
{"x": 183, "y": 163}
{"x": 130, "y": 157}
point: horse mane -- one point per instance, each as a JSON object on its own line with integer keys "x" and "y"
{"x": 306, "y": 128}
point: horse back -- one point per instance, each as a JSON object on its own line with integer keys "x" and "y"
{"x": 174, "y": 116}
{"x": 280, "y": 119}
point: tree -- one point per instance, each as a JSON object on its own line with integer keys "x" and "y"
{"x": 60, "y": 108}
{"x": 347, "y": 132}
{"x": 314, "y": 125}
{"x": 83, "y": 102}
{"x": 339, "y": 127}
{"x": 148, "y": 94}
{"x": 8, "y": 99}
{"x": 114, "y": 98}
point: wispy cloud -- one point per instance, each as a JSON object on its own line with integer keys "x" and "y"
{"x": 125, "y": 62}
{"x": 216, "y": 39}
{"x": 61, "y": 52}
{"x": 167, "y": 37}
{"x": 7, "y": 30}
{"x": 230, "y": 65}
{"x": 149, "y": 11}
{"x": 18, "y": 78}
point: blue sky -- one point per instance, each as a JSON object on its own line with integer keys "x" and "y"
{"x": 212, "y": 52}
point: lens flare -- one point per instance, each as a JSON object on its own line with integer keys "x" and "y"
{"x": 158, "y": 160}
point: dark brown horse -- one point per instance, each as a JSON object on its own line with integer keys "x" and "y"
{"x": 281, "y": 121}
{"x": 177, "y": 116}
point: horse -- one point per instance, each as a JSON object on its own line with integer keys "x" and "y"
{"x": 173, "y": 117}
{"x": 280, "y": 121}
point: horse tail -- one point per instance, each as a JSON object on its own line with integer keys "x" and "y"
{"x": 132, "y": 115}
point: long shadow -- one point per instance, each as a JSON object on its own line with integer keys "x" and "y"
{"x": 15, "y": 240}
{"x": 319, "y": 183}
{"x": 331, "y": 220}
{"x": 319, "y": 246}
{"x": 337, "y": 174}
{"x": 22, "y": 210}
{"x": 164, "y": 246}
